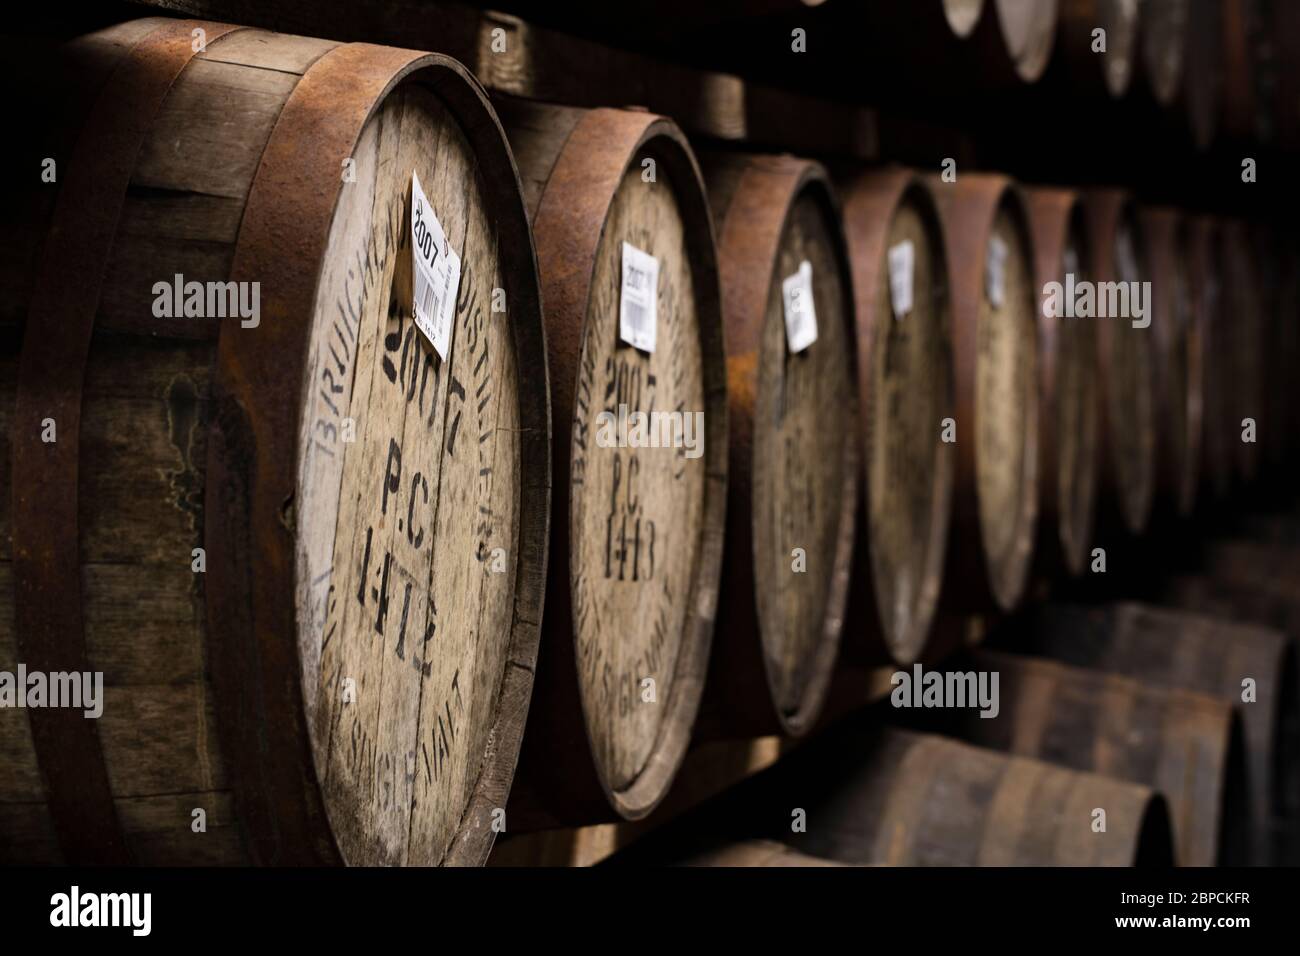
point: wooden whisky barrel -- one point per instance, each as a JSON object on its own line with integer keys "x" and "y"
{"x": 905, "y": 391}
{"x": 1196, "y": 652}
{"x": 901, "y": 798}
{"x": 1185, "y": 745}
{"x": 995, "y": 304}
{"x": 1177, "y": 358}
{"x": 1245, "y": 323}
{"x": 1206, "y": 284}
{"x": 1092, "y": 73}
{"x": 1162, "y": 47}
{"x": 1069, "y": 395}
{"x": 1126, "y": 358}
{"x": 637, "y": 530}
{"x": 793, "y": 433}
{"x": 342, "y": 682}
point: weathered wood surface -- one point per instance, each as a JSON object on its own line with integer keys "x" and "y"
{"x": 637, "y": 543}
{"x": 905, "y": 390}
{"x": 995, "y": 357}
{"x": 793, "y": 433}
{"x": 874, "y": 795}
{"x": 394, "y": 643}
{"x": 1210, "y": 653}
{"x": 1179, "y": 398}
{"x": 1126, "y": 359}
{"x": 1187, "y": 746}
{"x": 1069, "y": 396}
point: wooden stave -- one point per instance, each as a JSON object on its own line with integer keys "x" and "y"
{"x": 558, "y": 782}
{"x": 1131, "y": 502}
{"x": 739, "y": 694}
{"x": 1177, "y": 361}
{"x": 313, "y": 839}
{"x": 885, "y": 808}
{"x": 1060, "y": 714}
{"x": 870, "y": 202}
{"x": 967, "y": 210}
{"x": 1064, "y": 539}
{"x": 1209, "y": 655}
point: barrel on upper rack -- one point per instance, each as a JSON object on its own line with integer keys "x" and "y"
{"x": 901, "y": 798}
{"x": 1179, "y": 399}
{"x": 995, "y": 304}
{"x": 305, "y": 550}
{"x": 1249, "y": 61}
{"x": 1185, "y": 745}
{"x": 1069, "y": 399}
{"x": 1126, "y": 357}
{"x": 903, "y": 319}
{"x": 1097, "y": 46}
{"x": 1217, "y": 656}
{"x": 793, "y": 433}
{"x": 629, "y": 277}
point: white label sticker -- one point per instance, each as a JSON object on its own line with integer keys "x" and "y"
{"x": 800, "y": 314}
{"x": 638, "y": 298}
{"x": 995, "y": 272}
{"x": 902, "y": 265}
{"x": 437, "y": 273}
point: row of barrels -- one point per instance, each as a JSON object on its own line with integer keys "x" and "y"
{"x": 1122, "y": 735}
{"x": 1215, "y": 68}
{"x": 210, "y": 360}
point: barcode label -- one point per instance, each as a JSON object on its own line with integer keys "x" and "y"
{"x": 436, "y": 273}
{"x": 800, "y": 312}
{"x": 995, "y": 272}
{"x": 638, "y": 297}
{"x": 902, "y": 265}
